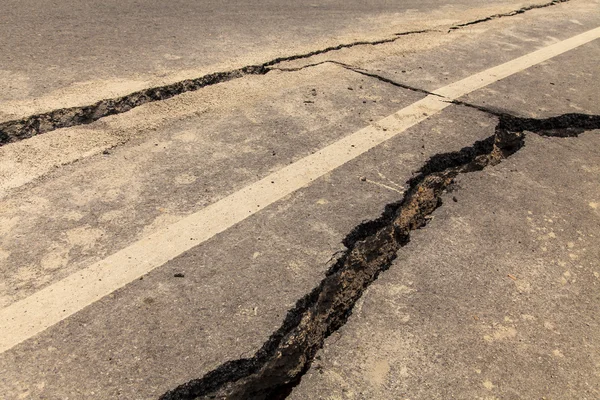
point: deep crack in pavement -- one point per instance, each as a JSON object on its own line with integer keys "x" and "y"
{"x": 24, "y": 128}
{"x": 371, "y": 248}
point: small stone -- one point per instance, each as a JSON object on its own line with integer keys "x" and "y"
{"x": 106, "y": 152}
{"x": 179, "y": 275}
{"x": 454, "y": 199}
{"x": 363, "y": 179}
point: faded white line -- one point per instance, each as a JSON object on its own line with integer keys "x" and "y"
{"x": 34, "y": 314}
{"x": 383, "y": 185}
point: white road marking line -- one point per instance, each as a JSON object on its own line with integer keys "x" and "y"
{"x": 491, "y": 75}
{"x": 32, "y": 315}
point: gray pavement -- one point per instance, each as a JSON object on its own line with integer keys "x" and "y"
{"x": 495, "y": 298}
{"x": 56, "y": 54}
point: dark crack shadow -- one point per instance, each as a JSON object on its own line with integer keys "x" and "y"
{"x": 278, "y": 366}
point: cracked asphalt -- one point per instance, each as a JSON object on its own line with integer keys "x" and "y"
{"x": 71, "y": 53}
{"x": 214, "y": 242}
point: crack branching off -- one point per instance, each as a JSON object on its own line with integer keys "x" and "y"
{"x": 387, "y": 80}
{"x": 488, "y": 110}
{"x": 371, "y": 247}
{"x": 24, "y": 128}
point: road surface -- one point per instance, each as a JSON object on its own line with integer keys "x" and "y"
{"x": 56, "y": 54}
{"x": 215, "y": 242}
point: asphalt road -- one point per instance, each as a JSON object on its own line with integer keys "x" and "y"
{"x": 146, "y": 249}
{"x": 57, "y": 54}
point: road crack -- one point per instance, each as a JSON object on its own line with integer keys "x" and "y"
{"x": 507, "y": 14}
{"x": 16, "y": 130}
{"x": 371, "y": 248}
{"x": 487, "y": 110}
{"x": 24, "y": 128}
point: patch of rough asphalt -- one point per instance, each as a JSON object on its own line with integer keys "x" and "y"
{"x": 285, "y": 357}
{"x": 16, "y": 130}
